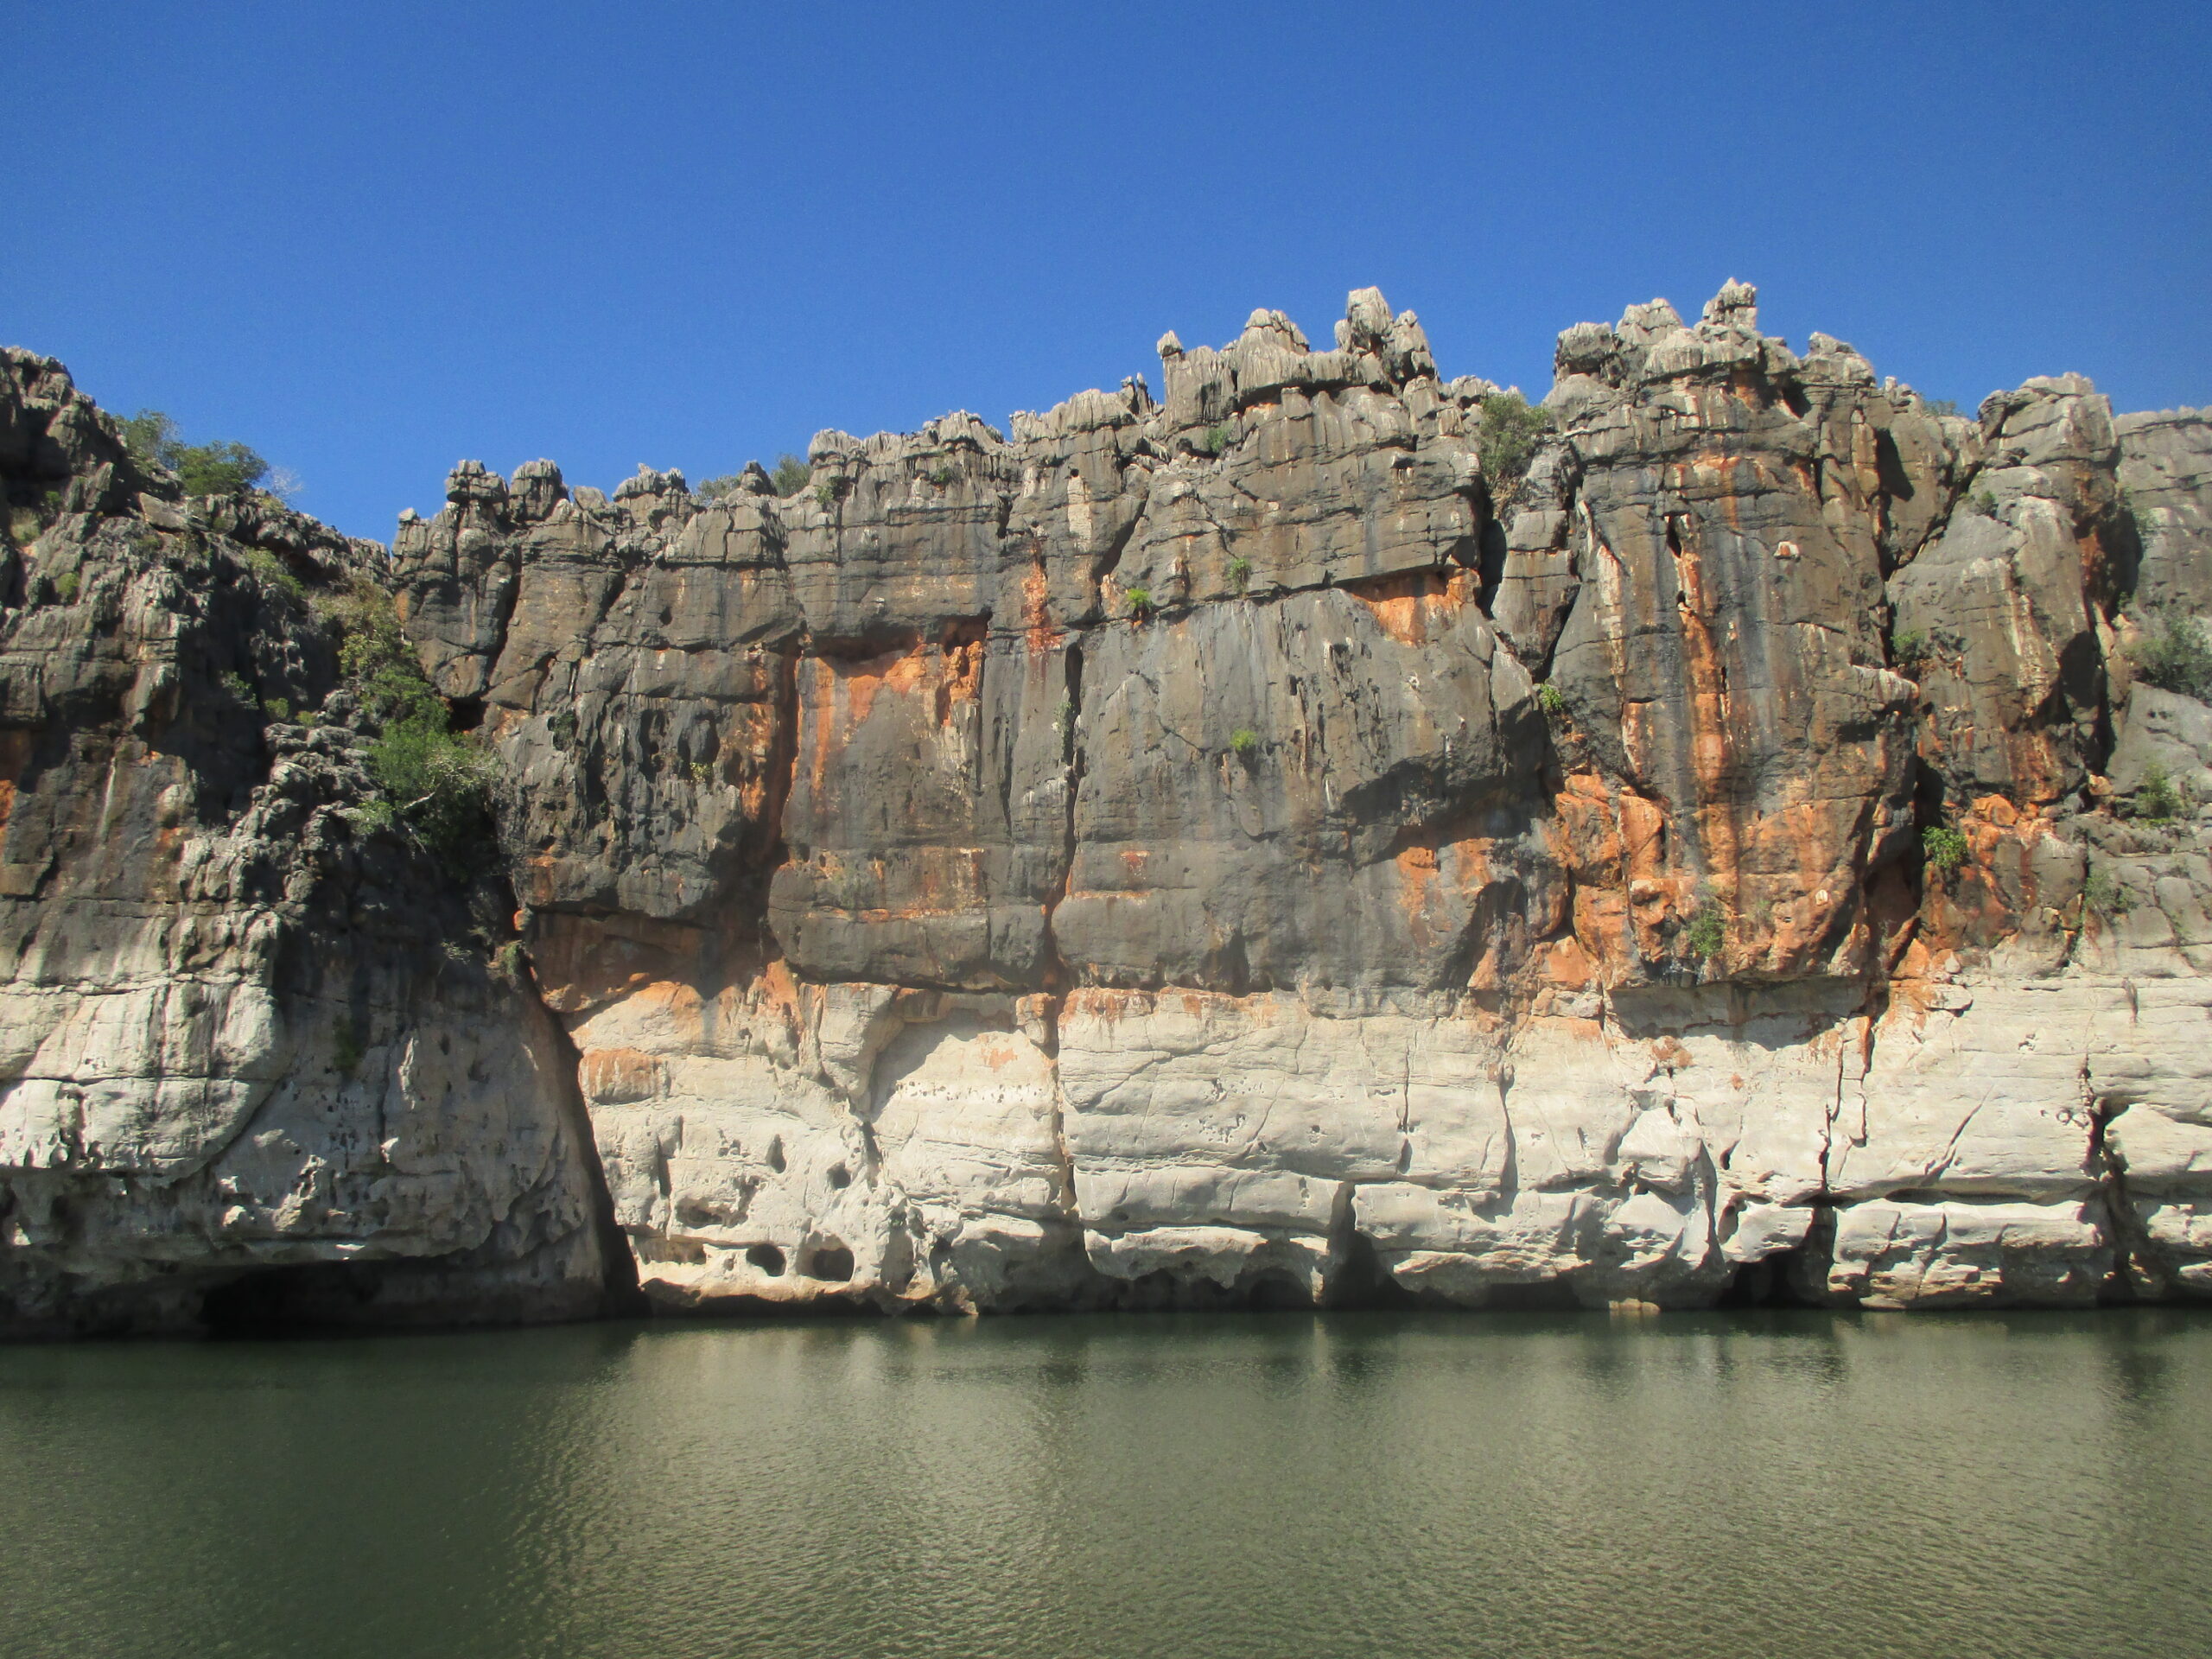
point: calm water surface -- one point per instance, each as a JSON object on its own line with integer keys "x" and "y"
{"x": 1185, "y": 1487}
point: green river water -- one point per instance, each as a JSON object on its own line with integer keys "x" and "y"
{"x": 1247, "y": 1486}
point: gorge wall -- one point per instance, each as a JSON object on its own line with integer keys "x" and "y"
{"x": 1224, "y": 851}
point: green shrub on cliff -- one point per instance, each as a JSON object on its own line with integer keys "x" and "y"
{"x": 380, "y": 666}
{"x": 1707, "y": 932}
{"x": 223, "y": 468}
{"x": 437, "y": 782}
{"x": 789, "y": 478}
{"x": 1945, "y": 847}
{"x": 2174, "y": 654}
{"x": 1506, "y": 441}
{"x": 275, "y": 575}
{"x": 2103, "y": 894}
{"x": 2157, "y": 798}
{"x": 434, "y": 780}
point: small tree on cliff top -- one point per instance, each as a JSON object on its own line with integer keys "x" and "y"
{"x": 1506, "y": 442}
{"x": 223, "y": 468}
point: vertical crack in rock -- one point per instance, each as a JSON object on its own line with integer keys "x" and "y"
{"x": 620, "y": 1296}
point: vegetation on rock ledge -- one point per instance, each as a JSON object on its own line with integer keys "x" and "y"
{"x": 434, "y": 780}
{"x": 1945, "y": 847}
{"x": 223, "y": 468}
{"x": 1506, "y": 442}
{"x": 2175, "y": 654}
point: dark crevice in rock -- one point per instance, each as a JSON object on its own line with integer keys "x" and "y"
{"x": 1786, "y": 1278}
{"x": 1355, "y": 1275}
{"x": 620, "y": 1296}
{"x": 2137, "y": 1273}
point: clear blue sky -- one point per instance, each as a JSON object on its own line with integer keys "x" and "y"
{"x": 370, "y": 240}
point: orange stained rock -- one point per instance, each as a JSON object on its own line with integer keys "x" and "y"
{"x": 1710, "y": 476}
{"x": 538, "y": 884}
{"x": 760, "y": 794}
{"x": 15, "y": 756}
{"x": 960, "y": 677}
{"x": 779, "y": 988}
{"x": 1615, "y": 846}
{"x": 1748, "y": 386}
{"x": 1415, "y": 605}
{"x": 839, "y": 694}
{"x": 1422, "y": 886}
{"x": 579, "y": 961}
{"x": 614, "y": 1075}
{"x": 852, "y": 687}
{"x": 1568, "y": 964}
{"x": 1100, "y": 1002}
{"x": 1643, "y": 834}
{"x": 1416, "y": 874}
{"x": 676, "y": 995}
{"x": 1036, "y": 614}
{"x": 1712, "y": 748}
{"x": 1865, "y": 463}
{"x": 1601, "y": 926}
{"x": 1583, "y": 834}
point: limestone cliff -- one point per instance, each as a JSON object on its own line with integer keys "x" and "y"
{"x": 250, "y": 1064}
{"x": 1229, "y": 849}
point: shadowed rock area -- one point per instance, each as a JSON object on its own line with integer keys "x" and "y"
{"x": 1271, "y": 844}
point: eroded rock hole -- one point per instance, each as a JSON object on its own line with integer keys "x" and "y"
{"x": 776, "y": 1154}
{"x": 303, "y": 1296}
{"x": 1276, "y": 1292}
{"x": 840, "y": 1176}
{"x": 1790, "y": 1278}
{"x": 770, "y": 1259}
{"x": 832, "y": 1261}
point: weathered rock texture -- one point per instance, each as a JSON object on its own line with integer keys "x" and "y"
{"x": 1224, "y": 849}
{"x": 244, "y": 1071}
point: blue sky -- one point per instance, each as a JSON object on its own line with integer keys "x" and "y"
{"x": 372, "y": 239}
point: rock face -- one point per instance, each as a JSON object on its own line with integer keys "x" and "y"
{"x": 244, "y": 1072}
{"x": 1257, "y": 846}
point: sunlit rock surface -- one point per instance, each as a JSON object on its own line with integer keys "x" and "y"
{"x": 1243, "y": 846}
